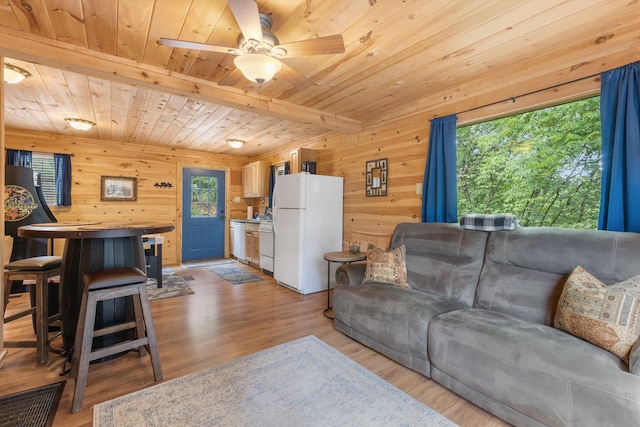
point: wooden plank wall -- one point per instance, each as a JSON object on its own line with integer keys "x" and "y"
{"x": 404, "y": 143}
{"x": 3, "y": 249}
{"x": 367, "y": 220}
{"x": 93, "y": 159}
{"x": 371, "y": 220}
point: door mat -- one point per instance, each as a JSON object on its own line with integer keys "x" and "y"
{"x": 36, "y": 407}
{"x": 235, "y": 275}
{"x": 208, "y": 263}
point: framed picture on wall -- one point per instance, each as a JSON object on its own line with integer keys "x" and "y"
{"x": 118, "y": 188}
{"x": 376, "y": 178}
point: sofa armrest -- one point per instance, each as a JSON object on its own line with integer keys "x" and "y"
{"x": 634, "y": 359}
{"x": 350, "y": 274}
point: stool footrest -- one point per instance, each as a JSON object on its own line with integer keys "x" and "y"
{"x": 113, "y": 329}
{"x": 117, "y": 348}
{"x": 20, "y": 344}
{"x": 19, "y": 315}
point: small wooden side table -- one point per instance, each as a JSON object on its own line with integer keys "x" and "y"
{"x": 344, "y": 257}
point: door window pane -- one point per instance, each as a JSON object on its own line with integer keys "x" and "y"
{"x": 204, "y": 196}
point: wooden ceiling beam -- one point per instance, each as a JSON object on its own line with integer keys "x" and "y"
{"x": 27, "y": 47}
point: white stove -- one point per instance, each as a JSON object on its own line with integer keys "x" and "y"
{"x": 266, "y": 246}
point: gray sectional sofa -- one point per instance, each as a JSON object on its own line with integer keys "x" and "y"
{"x": 478, "y": 319}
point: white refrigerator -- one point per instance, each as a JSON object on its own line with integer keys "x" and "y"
{"x": 307, "y": 222}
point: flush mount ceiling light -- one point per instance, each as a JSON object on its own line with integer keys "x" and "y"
{"x": 13, "y": 74}
{"x": 235, "y": 143}
{"x": 257, "y": 67}
{"x": 80, "y": 124}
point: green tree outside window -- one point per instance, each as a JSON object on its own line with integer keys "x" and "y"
{"x": 543, "y": 166}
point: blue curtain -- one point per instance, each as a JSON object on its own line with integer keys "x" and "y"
{"x": 63, "y": 179}
{"x": 439, "y": 193}
{"x": 272, "y": 183}
{"x": 620, "y": 121}
{"x": 19, "y": 158}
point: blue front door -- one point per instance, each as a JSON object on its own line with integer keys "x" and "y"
{"x": 203, "y": 218}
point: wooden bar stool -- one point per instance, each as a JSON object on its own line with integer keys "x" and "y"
{"x": 106, "y": 285}
{"x": 39, "y": 269}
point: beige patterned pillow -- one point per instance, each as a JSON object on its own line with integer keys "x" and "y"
{"x": 606, "y": 316}
{"x": 386, "y": 267}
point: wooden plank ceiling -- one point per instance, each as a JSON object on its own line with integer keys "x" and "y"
{"x": 101, "y": 61}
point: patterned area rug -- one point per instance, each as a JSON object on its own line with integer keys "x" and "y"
{"x": 301, "y": 383}
{"x": 234, "y": 274}
{"x": 172, "y": 286}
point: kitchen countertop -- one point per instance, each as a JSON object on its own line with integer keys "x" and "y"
{"x": 250, "y": 221}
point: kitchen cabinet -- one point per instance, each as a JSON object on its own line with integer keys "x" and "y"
{"x": 252, "y": 244}
{"x": 299, "y": 155}
{"x": 255, "y": 179}
{"x": 245, "y": 241}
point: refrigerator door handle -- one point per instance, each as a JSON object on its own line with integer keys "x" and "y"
{"x": 274, "y": 205}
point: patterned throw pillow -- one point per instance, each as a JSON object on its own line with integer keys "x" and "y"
{"x": 386, "y": 267}
{"x": 606, "y": 316}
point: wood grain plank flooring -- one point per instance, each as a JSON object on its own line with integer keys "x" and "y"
{"x": 218, "y": 323}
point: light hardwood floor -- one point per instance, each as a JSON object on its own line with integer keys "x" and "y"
{"x": 218, "y": 323}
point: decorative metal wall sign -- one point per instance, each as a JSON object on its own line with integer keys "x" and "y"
{"x": 377, "y": 174}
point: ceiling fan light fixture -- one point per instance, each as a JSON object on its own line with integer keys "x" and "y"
{"x": 13, "y": 74}
{"x": 235, "y": 143}
{"x": 80, "y": 124}
{"x": 257, "y": 67}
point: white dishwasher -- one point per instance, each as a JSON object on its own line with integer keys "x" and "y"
{"x": 266, "y": 246}
{"x": 239, "y": 244}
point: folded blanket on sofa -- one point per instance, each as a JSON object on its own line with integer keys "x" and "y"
{"x": 483, "y": 222}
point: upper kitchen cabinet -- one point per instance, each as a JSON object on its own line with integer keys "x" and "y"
{"x": 255, "y": 180}
{"x": 298, "y": 156}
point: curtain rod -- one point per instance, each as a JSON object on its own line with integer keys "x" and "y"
{"x": 513, "y": 98}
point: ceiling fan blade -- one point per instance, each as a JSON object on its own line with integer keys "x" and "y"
{"x": 248, "y": 18}
{"x": 318, "y": 46}
{"x": 182, "y": 44}
{"x": 294, "y": 77}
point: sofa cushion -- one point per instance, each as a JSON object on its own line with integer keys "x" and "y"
{"x": 607, "y": 316}
{"x": 539, "y": 371}
{"x": 525, "y": 269}
{"x": 391, "y": 320}
{"x": 386, "y": 267}
{"x": 442, "y": 258}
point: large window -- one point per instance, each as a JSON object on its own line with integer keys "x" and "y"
{"x": 53, "y": 171}
{"x": 44, "y": 164}
{"x": 542, "y": 166}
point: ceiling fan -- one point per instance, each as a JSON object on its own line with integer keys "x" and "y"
{"x": 259, "y": 52}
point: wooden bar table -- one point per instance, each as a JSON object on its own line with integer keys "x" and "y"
{"x": 89, "y": 247}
